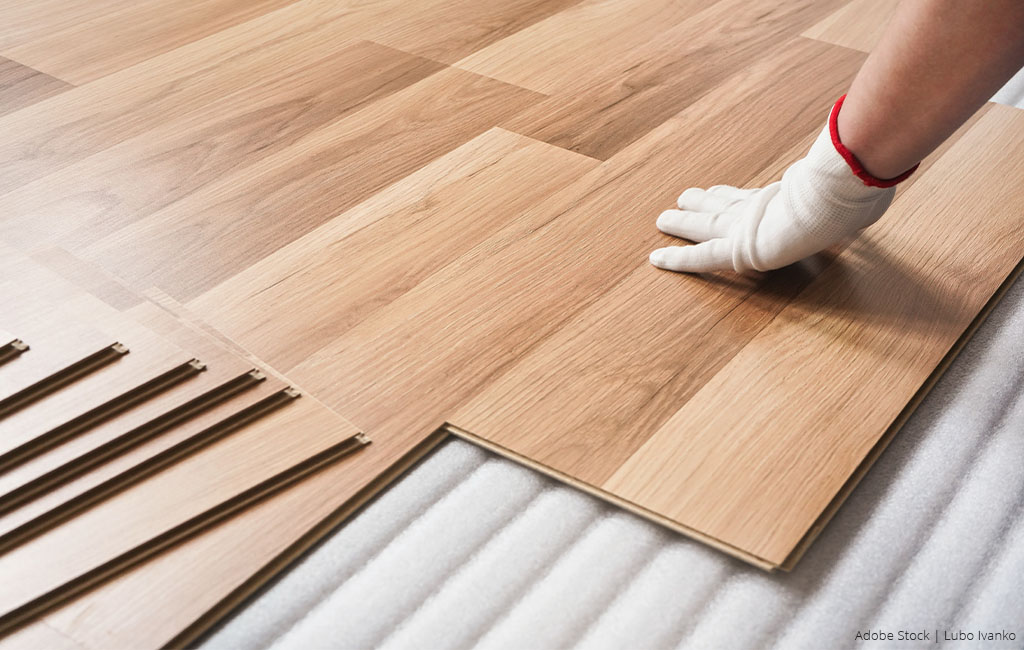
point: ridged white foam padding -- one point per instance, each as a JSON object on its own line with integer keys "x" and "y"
{"x": 469, "y": 550}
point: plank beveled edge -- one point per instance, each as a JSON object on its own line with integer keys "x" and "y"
{"x": 226, "y": 605}
{"x": 211, "y": 517}
{"x": 819, "y": 524}
{"x": 650, "y": 515}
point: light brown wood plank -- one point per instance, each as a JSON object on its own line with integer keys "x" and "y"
{"x": 39, "y": 636}
{"x": 408, "y": 366}
{"x": 109, "y": 40}
{"x": 447, "y": 30}
{"x": 22, "y": 22}
{"x": 49, "y": 505}
{"x": 870, "y": 330}
{"x": 149, "y": 357}
{"x": 660, "y": 338}
{"x": 858, "y": 25}
{"x": 166, "y": 499}
{"x": 52, "y": 349}
{"x": 176, "y": 85}
{"x": 226, "y": 226}
{"x": 173, "y": 85}
{"x": 585, "y": 43}
{"x": 21, "y": 86}
{"x": 221, "y": 368}
{"x": 286, "y": 99}
{"x": 366, "y": 257}
{"x": 73, "y": 42}
{"x": 198, "y": 581}
{"x": 660, "y": 77}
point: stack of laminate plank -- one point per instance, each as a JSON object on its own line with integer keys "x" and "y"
{"x": 125, "y": 433}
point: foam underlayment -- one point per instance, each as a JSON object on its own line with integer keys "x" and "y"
{"x": 471, "y": 550}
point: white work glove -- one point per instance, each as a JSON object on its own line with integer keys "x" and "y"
{"x": 821, "y": 199}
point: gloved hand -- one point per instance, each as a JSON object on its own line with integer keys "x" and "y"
{"x": 821, "y": 199}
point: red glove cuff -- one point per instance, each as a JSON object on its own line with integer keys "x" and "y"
{"x": 855, "y": 166}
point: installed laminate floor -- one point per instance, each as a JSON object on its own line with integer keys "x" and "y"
{"x": 435, "y": 217}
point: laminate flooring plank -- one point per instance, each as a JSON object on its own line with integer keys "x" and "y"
{"x": 858, "y": 25}
{"x": 187, "y": 529}
{"x": 557, "y": 53}
{"x": 178, "y": 85}
{"x": 221, "y": 369}
{"x": 447, "y": 30}
{"x": 39, "y": 636}
{"x": 109, "y": 41}
{"x": 52, "y": 349}
{"x": 369, "y": 255}
{"x": 198, "y": 581}
{"x": 43, "y": 483}
{"x": 130, "y": 102}
{"x": 24, "y": 431}
{"x": 88, "y": 277}
{"x": 21, "y": 86}
{"x": 22, "y": 22}
{"x": 286, "y": 99}
{"x": 230, "y": 224}
{"x": 77, "y": 489}
{"x": 870, "y": 330}
{"x": 659, "y": 336}
{"x": 80, "y": 51}
{"x": 410, "y": 364}
{"x": 166, "y": 499}
{"x": 631, "y": 94}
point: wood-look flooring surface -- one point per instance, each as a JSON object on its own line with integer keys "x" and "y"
{"x": 435, "y": 216}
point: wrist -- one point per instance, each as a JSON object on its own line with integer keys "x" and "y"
{"x": 854, "y": 162}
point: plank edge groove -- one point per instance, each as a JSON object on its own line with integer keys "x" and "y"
{"x": 608, "y": 497}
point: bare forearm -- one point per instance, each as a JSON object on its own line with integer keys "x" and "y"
{"x": 937, "y": 63}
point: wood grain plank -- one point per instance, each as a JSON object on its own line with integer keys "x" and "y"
{"x": 373, "y": 253}
{"x": 871, "y": 329}
{"x": 39, "y": 637}
{"x": 447, "y": 30}
{"x": 74, "y": 42}
{"x": 21, "y": 86}
{"x": 166, "y": 499}
{"x": 660, "y": 77}
{"x": 91, "y": 118}
{"x": 285, "y": 100}
{"x": 409, "y": 365}
{"x": 546, "y": 57}
{"x": 22, "y": 22}
{"x": 661, "y": 337}
{"x": 858, "y": 25}
{"x": 228, "y": 225}
{"x": 110, "y": 40}
{"x": 132, "y": 101}
{"x": 198, "y": 581}
{"x": 22, "y": 432}
{"x": 65, "y": 471}
{"x": 52, "y": 350}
